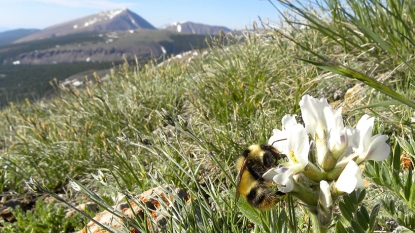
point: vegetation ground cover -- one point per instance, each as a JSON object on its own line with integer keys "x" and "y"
{"x": 185, "y": 123}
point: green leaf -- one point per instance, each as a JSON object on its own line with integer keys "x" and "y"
{"x": 380, "y": 104}
{"x": 389, "y": 205}
{"x": 407, "y": 146}
{"x": 392, "y": 207}
{"x": 345, "y": 210}
{"x": 361, "y": 194}
{"x": 362, "y": 217}
{"x": 350, "y": 200}
{"x": 412, "y": 142}
{"x": 356, "y": 227}
{"x": 387, "y": 178}
{"x": 397, "y": 152}
{"x": 373, "y": 216}
{"x": 397, "y": 179}
{"x": 252, "y": 214}
{"x": 340, "y": 228}
{"x": 412, "y": 192}
{"x": 282, "y": 222}
{"x": 371, "y": 172}
{"x": 408, "y": 189}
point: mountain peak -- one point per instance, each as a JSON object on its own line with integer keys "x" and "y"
{"x": 105, "y": 21}
{"x": 195, "y": 28}
{"x": 112, "y": 13}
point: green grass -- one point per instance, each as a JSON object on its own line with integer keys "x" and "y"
{"x": 185, "y": 123}
{"x": 44, "y": 218}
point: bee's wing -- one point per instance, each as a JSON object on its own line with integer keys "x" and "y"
{"x": 241, "y": 171}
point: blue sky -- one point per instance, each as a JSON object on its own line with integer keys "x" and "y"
{"x": 235, "y": 14}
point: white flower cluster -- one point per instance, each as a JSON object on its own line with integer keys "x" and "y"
{"x": 339, "y": 150}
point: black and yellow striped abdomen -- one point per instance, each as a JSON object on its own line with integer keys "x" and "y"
{"x": 252, "y": 164}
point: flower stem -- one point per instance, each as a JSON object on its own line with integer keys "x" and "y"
{"x": 313, "y": 173}
{"x": 317, "y": 227}
{"x": 304, "y": 194}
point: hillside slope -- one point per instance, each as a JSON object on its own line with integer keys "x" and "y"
{"x": 94, "y": 47}
{"x": 8, "y": 37}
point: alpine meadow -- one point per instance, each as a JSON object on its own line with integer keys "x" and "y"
{"x": 325, "y": 96}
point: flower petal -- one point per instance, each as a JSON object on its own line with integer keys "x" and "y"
{"x": 299, "y": 144}
{"x": 350, "y": 178}
{"x": 337, "y": 120}
{"x": 364, "y": 126}
{"x": 312, "y": 111}
{"x": 352, "y": 137}
{"x": 278, "y": 141}
{"x": 337, "y": 140}
{"x": 325, "y": 195}
{"x": 378, "y": 149}
{"x": 288, "y": 187}
{"x": 282, "y": 176}
{"x": 285, "y": 181}
{"x": 288, "y": 121}
{"x": 269, "y": 175}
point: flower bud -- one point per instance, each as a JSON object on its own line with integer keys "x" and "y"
{"x": 325, "y": 204}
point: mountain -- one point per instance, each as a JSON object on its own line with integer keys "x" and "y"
{"x": 8, "y": 37}
{"x": 195, "y": 28}
{"x": 106, "y": 21}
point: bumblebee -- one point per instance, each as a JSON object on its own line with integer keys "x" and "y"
{"x": 252, "y": 164}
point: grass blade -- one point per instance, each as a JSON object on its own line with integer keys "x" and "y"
{"x": 348, "y": 72}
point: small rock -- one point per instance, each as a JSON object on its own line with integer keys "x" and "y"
{"x": 6, "y": 214}
{"x": 157, "y": 201}
{"x": 25, "y": 202}
{"x": 355, "y": 95}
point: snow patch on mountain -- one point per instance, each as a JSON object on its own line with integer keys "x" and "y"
{"x": 175, "y": 24}
{"x": 105, "y": 16}
{"x": 113, "y": 13}
{"x": 195, "y": 28}
{"x": 133, "y": 22}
